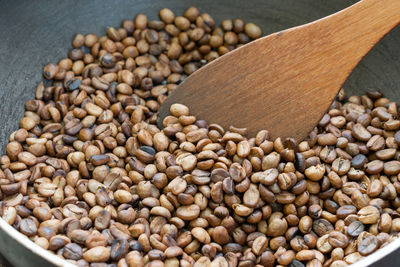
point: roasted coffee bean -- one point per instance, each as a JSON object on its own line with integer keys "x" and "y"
{"x": 58, "y": 241}
{"x": 119, "y": 249}
{"x": 358, "y": 161}
{"x": 337, "y": 239}
{"x": 72, "y": 251}
{"x": 355, "y": 228}
{"x": 28, "y": 227}
{"x": 345, "y": 211}
{"x": 368, "y": 245}
{"x": 296, "y": 263}
{"x": 135, "y": 245}
{"x": 322, "y": 227}
{"x": 368, "y": 215}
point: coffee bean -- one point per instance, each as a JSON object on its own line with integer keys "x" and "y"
{"x": 173, "y": 251}
{"x": 167, "y": 15}
{"x": 50, "y": 70}
{"x": 28, "y": 227}
{"x": 252, "y": 30}
{"x": 102, "y": 220}
{"x": 322, "y": 227}
{"x": 360, "y": 132}
{"x": 296, "y": 263}
{"x": 376, "y": 143}
{"x": 286, "y": 258}
{"x": 374, "y": 167}
{"x": 267, "y": 258}
{"x": 260, "y": 244}
{"x": 201, "y": 235}
{"x": 188, "y": 212}
{"x": 355, "y": 228}
{"x": 220, "y": 235}
{"x": 99, "y": 159}
{"x": 368, "y": 245}
{"x": 97, "y": 254}
{"x": 119, "y": 248}
{"x": 72, "y": 251}
{"x": 391, "y": 167}
{"x": 345, "y": 211}
{"x": 251, "y": 196}
{"x": 368, "y": 215}
{"x": 135, "y": 245}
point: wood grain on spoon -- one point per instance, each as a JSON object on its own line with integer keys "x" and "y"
{"x": 285, "y": 82}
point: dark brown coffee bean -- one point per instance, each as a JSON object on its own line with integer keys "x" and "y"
{"x": 228, "y": 186}
{"x": 368, "y": 245}
{"x": 99, "y": 159}
{"x": 219, "y": 175}
{"x": 374, "y": 167}
{"x": 322, "y": 227}
{"x": 358, "y": 161}
{"x": 267, "y": 259}
{"x": 119, "y": 248}
{"x": 345, "y": 211}
{"x": 374, "y": 93}
{"x": 28, "y": 227}
{"x": 72, "y": 251}
{"x": 355, "y": 228}
{"x": 135, "y": 245}
{"x": 58, "y": 241}
{"x": 296, "y": 263}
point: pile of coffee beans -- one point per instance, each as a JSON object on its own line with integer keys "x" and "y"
{"x": 90, "y": 176}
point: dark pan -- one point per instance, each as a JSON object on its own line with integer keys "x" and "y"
{"x": 34, "y": 33}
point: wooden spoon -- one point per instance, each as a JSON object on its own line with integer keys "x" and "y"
{"x": 285, "y": 82}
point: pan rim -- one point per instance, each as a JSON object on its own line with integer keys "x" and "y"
{"x": 24, "y": 241}
{"x": 45, "y": 254}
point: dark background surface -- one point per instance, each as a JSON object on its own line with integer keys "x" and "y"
{"x": 34, "y": 33}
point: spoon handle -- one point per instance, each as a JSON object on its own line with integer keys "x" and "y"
{"x": 358, "y": 28}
